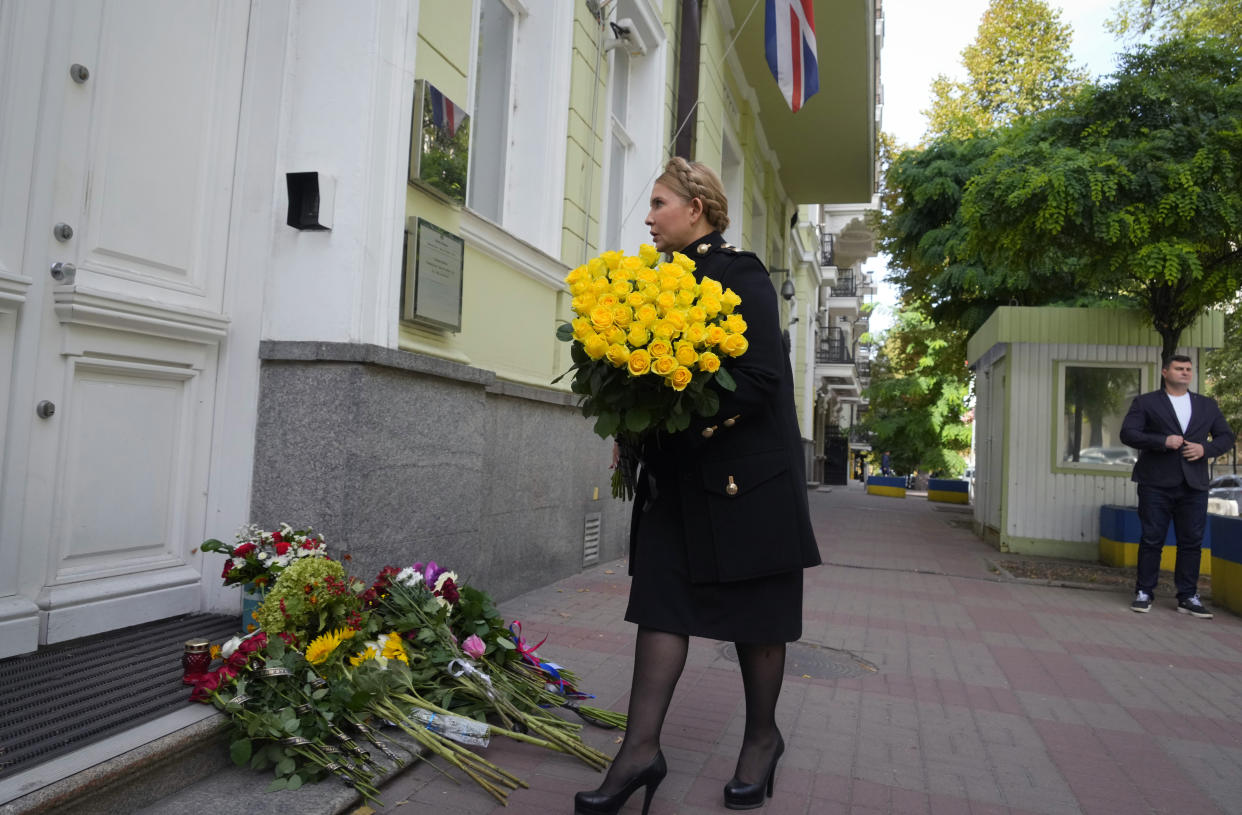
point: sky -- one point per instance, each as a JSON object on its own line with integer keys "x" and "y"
{"x": 923, "y": 39}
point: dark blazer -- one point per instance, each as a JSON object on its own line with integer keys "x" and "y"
{"x": 1151, "y": 420}
{"x": 763, "y": 525}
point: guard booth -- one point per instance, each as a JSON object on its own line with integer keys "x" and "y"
{"x": 1052, "y": 386}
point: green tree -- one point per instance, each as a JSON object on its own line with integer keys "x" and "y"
{"x": 1173, "y": 19}
{"x": 1222, "y": 368}
{"x": 918, "y": 396}
{"x": 1134, "y": 188}
{"x": 1018, "y": 64}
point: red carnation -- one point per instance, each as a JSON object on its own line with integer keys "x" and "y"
{"x": 281, "y": 547}
{"x": 243, "y": 550}
{"x": 449, "y": 591}
{"x": 276, "y": 537}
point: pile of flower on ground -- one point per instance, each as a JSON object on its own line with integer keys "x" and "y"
{"x": 336, "y": 658}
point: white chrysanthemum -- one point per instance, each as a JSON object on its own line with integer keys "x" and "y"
{"x": 409, "y": 577}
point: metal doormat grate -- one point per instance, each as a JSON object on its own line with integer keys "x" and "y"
{"x": 65, "y": 696}
{"x": 590, "y": 538}
{"x": 816, "y": 661}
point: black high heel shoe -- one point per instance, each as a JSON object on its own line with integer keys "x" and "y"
{"x": 598, "y": 803}
{"x": 739, "y": 795}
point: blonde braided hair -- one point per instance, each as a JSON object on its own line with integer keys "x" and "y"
{"x": 693, "y": 179}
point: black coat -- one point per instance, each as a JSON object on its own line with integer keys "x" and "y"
{"x": 1151, "y": 419}
{"x": 762, "y": 525}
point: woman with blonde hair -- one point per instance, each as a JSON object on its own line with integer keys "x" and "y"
{"x": 720, "y": 531}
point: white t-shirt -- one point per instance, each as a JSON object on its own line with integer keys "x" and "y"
{"x": 1181, "y": 406}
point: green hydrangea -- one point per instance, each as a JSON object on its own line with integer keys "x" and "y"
{"x": 291, "y": 587}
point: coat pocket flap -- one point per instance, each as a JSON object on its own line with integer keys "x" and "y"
{"x": 735, "y": 477}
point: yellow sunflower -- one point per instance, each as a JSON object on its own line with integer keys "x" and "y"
{"x": 322, "y": 647}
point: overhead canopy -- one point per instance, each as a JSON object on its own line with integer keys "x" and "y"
{"x": 826, "y": 149}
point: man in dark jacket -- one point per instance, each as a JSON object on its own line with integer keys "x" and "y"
{"x": 1171, "y": 428}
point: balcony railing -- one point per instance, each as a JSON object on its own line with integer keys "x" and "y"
{"x": 834, "y": 347}
{"x": 864, "y": 370}
{"x": 828, "y": 250}
{"x": 845, "y": 286}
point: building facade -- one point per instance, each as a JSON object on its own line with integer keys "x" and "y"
{"x": 226, "y": 295}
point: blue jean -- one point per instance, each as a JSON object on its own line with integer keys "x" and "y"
{"x": 1187, "y": 509}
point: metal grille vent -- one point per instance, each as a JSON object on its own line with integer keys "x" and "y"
{"x": 590, "y": 538}
{"x": 63, "y": 697}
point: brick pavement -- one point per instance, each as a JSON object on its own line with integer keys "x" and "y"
{"x": 988, "y": 696}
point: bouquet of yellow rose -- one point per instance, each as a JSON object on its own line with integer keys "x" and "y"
{"x": 647, "y": 339}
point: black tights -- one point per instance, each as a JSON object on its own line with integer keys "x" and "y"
{"x": 659, "y": 658}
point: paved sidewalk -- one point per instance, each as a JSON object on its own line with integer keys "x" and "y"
{"x": 987, "y": 696}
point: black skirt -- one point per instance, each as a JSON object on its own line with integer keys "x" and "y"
{"x": 762, "y": 610}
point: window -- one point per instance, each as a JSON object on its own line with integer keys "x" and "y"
{"x": 731, "y": 177}
{"x": 632, "y": 142}
{"x": 520, "y": 107}
{"x": 497, "y": 24}
{"x": 1094, "y": 400}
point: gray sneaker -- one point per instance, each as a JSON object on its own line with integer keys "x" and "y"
{"x": 1195, "y": 607}
{"x": 1142, "y": 603}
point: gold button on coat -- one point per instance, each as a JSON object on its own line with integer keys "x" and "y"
{"x": 732, "y": 488}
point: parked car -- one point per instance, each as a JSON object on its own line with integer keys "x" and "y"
{"x": 1226, "y": 486}
{"x": 1107, "y": 455}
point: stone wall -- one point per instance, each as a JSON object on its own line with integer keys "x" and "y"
{"x": 398, "y": 457}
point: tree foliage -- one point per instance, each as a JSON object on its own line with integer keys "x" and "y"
{"x": 1223, "y": 369}
{"x": 1161, "y": 20}
{"x": 919, "y": 385}
{"x": 1019, "y": 63}
{"x": 1135, "y": 187}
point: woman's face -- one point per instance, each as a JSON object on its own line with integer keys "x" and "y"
{"x": 674, "y": 222}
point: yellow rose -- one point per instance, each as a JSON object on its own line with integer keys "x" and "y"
{"x": 601, "y": 318}
{"x": 710, "y": 287}
{"x": 638, "y": 336}
{"x": 583, "y": 303}
{"x": 735, "y": 345}
{"x": 595, "y": 346}
{"x": 646, "y": 314}
{"x": 696, "y": 314}
{"x": 630, "y": 264}
{"x": 647, "y": 276}
{"x": 685, "y": 297}
{"x": 660, "y": 347}
{"x": 735, "y": 324}
{"x": 618, "y": 355}
{"x": 680, "y": 378}
{"x": 686, "y": 355}
{"x": 687, "y": 283}
{"x": 639, "y": 362}
{"x": 662, "y": 329}
{"x": 600, "y": 285}
{"x": 597, "y": 267}
{"x": 621, "y": 288}
{"x": 580, "y": 287}
{"x": 611, "y": 259}
{"x": 669, "y": 270}
{"x": 666, "y": 301}
{"x": 677, "y": 319}
{"x": 615, "y": 336}
{"x": 663, "y": 366}
{"x": 650, "y": 292}
{"x": 635, "y": 299}
{"x": 649, "y": 254}
{"x": 607, "y": 299}
{"x": 578, "y": 275}
{"x": 711, "y": 305}
{"x": 695, "y": 333}
{"x": 622, "y": 315}
{"x": 582, "y": 328}
{"x": 731, "y": 300}
{"x": 683, "y": 261}
{"x": 709, "y": 362}
{"x": 715, "y": 335}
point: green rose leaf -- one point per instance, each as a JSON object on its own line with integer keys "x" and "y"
{"x": 286, "y": 767}
{"x": 607, "y": 424}
{"x": 709, "y": 404}
{"x": 726, "y": 380}
{"x": 637, "y": 420}
{"x": 565, "y": 332}
{"x": 240, "y": 752}
{"x": 294, "y": 782}
{"x": 278, "y": 785}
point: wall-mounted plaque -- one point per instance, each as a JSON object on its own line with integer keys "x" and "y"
{"x": 434, "y": 260}
{"x": 439, "y": 143}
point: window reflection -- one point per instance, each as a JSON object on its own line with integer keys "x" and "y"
{"x": 1096, "y": 401}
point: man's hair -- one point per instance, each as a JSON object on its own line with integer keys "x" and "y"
{"x": 1175, "y": 358}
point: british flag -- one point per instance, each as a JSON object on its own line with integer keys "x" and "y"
{"x": 789, "y": 43}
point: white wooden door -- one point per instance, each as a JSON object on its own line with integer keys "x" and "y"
{"x": 134, "y": 151}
